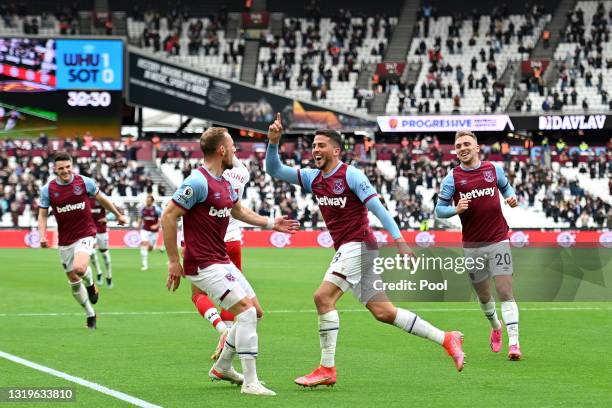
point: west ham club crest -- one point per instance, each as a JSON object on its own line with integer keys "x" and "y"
{"x": 338, "y": 186}
{"x": 488, "y": 176}
{"x": 78, "y": 190}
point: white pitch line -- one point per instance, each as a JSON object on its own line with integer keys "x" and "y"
{"x": 188, "y": 312}
{"x": 94, "y": 386}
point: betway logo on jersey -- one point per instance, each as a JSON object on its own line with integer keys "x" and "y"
{"x": 71, "y": 207}
{"x": 478, "y": 192}
{"x": 332, "y": 201}
{"x": 222, "y": 213}
{"x": 572, "y": 122}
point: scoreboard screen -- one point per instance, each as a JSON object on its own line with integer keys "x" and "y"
{"x": 63, "y": 87}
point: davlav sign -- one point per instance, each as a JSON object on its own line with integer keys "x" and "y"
{"x": 572, "y": 122}
{"x": 444, "y": 123}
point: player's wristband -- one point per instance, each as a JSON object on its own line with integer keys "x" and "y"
{"x": 270, "y": 223}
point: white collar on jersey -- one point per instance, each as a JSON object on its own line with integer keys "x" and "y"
{"x": 218, "y": 178}
{"x": 333, "y": 171}
{"x": 61, "y": 183}
{"x": 471, "y": 168}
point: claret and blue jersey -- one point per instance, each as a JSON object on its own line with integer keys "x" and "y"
{"x": 71, "y": 207}
{"x": 483, "y": 221}
{"x": 344, "y": 196}
{"x": 208, "y": 201}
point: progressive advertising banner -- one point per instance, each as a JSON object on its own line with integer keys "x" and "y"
{"x": 159, "y": 84}
{"x": 123, "y": 238}
{"x": 492, "y": 123}
{"x": 64, "y": 87}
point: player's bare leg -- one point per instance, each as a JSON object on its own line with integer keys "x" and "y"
{"x": 384, "y": 311}
{"x": 487, "y": 305}
{"x": 83, "y": 287}
{"x": 325, "y": 298}
{"x": 241, "y": 340}
{"x": 510, "y": 314}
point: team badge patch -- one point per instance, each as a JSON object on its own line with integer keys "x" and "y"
{"x": 463, "y": 182}
{"x": 217, "y": 195}
{"x": 78, "y": 190}
{"x": 230, "y": 277}
{"x": 488, "y": 176}
{"x": 338, "y": 186}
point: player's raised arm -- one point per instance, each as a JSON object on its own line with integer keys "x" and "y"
{"x": 361, "y": 186}
{"x": 274, "y": 166}
{"x": 281, "y": 224}
{"x": 504, "y": 186}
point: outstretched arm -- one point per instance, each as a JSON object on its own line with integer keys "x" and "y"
{"x": 278, "y": 170}
{"x": 282, "y": 224}
{"x": 106, "y": 203}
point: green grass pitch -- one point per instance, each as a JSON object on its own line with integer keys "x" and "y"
{"x": 163, "y": 358}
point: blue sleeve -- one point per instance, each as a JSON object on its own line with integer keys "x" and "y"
{"x": 447, "y": 189}
{"x": 44, "y": 201}
{"x": 444, "y": 209}
{"x": 278, "y": 170}
{"x": 359, "y": 184}
{"x": 384, "y": 216}
{"x": 158, "y": 210}
{"x": 91, "y": 186}
{"x": 305, "y": 178}
{"x": 502, "y": 182}
{"x": 193, "y": 190}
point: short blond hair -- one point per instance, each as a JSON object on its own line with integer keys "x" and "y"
{"x": 211, "y": 139}
{"x": 461, "y": 133}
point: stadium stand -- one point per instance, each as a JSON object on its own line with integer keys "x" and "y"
{"x": 25, "y": 166}
{"x": 583, "y": 63}
{"x": 199, "y": 42}
{"x": 320, "y": 58}
{"x": 409, "y": 181}
{"x": 463, "y": 59}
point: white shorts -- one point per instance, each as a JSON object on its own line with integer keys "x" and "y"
{"x": 223, "y": 283}
{"x": 102, "y": 240}
{"x": 498, "y": 261}
{"x": 67, "y": 252}
{"x": 347, "y": 267}
{"x": 148, "y": 236}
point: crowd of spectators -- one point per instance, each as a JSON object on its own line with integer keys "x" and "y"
{"x": 313, "y": 59}
{"x": 21, "y": 16}
{"x": 116, "y": 172}
{"x": 417, "y": 165}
